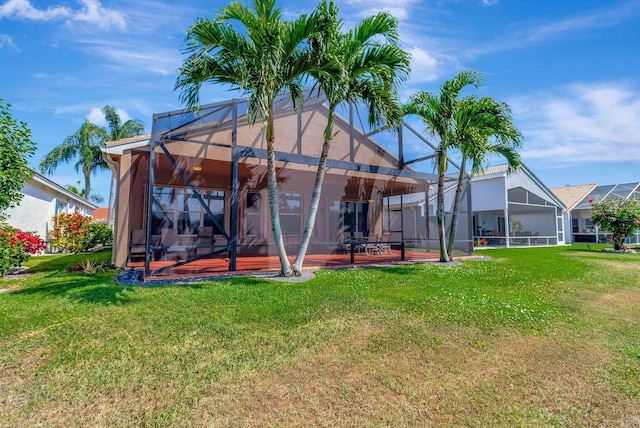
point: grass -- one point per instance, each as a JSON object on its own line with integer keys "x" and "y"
{"x": 534, "y": 337}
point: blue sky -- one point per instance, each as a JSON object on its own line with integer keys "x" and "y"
{"x": 569, "y": 69}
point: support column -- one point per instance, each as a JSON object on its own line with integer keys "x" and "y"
{"x": 152, "y": 149}
{"x": 233, "y": 244}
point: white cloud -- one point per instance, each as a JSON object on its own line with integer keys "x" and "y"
{"x": 91, "y": 12}
{"x": 146, "y": 57}
{"x": 584, "y": 123}
{"x": 489, "y": 2}
{"x": 23, "y": 9}
{"x": 424, "y": 65}
{"x": 6, "y": 40}
{"x": 94, "y": 13}
{"x": 96, "y": 116}
{"x": 398, "y": 8}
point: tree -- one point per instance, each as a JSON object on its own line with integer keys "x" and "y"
{"x": 618, "y": 216}
{"x": 84, "y": 146}
{"x": 116, "y": 131}
{"x": 97, "y": 199}
{"x": 484, "y": 129}
{"x": 372, "y": 66}
{"x": 438, "y": 113}
{"x": 256, "y": 52}
{"x": 15, "y": 148}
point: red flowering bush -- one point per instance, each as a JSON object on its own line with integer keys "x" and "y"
{"x": 76, "y": 232}
{"x": 16, "y": 246}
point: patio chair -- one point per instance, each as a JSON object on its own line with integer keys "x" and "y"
{"x": 205, "y": 239}
{"x": 372, "y": 245}
{"x": 384, "y": 244}
{"x": 137, "y": 247}
{"x": 170, "y": 242}
{"x": 343, "y": 246}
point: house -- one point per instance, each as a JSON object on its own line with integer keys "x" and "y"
{"x": 41, "y": 201}
{"x": 101, "y": 214}
{"x": 578, "y": 200}
{"x": 192, "y": 196}
{"x": 515, "y": 209}
{"x": 509, "y": 209}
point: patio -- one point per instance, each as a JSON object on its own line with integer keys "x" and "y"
{"x": 246, "y": 264}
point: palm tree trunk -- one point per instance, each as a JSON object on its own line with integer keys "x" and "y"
{"x": 272, "y": 190}
{"x": 442, "y": 169}
{"x": 87, "y": 185}
{"x": 456, "y": 207}
{"x": 315, "y": 196}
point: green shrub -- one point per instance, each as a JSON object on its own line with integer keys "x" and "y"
{"x": 99, "y": 234}
{"x": 76, "y": 232}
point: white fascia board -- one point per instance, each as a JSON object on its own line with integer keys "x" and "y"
{"x": 66, "y": 192}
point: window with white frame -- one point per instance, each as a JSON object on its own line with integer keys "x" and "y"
{"x": 180, "y": 209}
{"x": 291, "y": 213}
{"x": 253, "y": 214}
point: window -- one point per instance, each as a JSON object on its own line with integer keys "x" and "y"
{"x": 575, "y": 228}
{"x": 353, "y": 217}
{"x": 588, "y": 225}
{"x": 291, "y": 214}
{"x": 215, "y": 201}
{"x": 180, "y": 209}
{"x": 253, "y": 215}
{"x": 61, "y": 207}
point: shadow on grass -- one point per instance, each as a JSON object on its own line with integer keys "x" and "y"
{"x": 95, "y": 289}
{"x": 61, "y": 262}
{"x": 587, "y": 247}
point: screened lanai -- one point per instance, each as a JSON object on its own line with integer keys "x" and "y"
{"x": 583, "y": 230}
{"x": 514, "y": 208}
{"x": 193, "y": 200}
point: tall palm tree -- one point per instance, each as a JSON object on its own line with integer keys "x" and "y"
{"x": 254, "y": 51}
{"x": 372, "y": 66}
{"x": 438, "y": 113}
{"x": 116, "y": 131}
{"x": 484, "y": 128}
{"x": 84, "y": 146}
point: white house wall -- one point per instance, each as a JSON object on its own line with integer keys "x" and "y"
{"x": 34, "y": 212}
{"x": 488, "y": 195}
{"x": 38, "y": 206}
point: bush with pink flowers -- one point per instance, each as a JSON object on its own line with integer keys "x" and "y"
{"x": 16, "y": 246}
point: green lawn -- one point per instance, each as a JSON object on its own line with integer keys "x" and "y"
{"x": 534, "y": 337}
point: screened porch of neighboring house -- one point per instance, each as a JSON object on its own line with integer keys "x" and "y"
{"x": 202, "y": 208}
{"x": 583, "y": 229}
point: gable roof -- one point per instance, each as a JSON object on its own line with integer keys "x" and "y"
{"x": 39, "y": 178}
{"x": 572, "y": 195}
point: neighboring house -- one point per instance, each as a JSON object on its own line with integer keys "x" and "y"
{"x": 41, "y": 201}
{"x": 515, "y": 209}
{"x": 509, "y": 209}
{"x": 205, "y": 195}
{"x": 101, "y": 214}
{"x": 578, "y": 200}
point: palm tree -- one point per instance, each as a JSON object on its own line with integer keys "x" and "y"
{"x": 84, "y": 146}
{"x": 96, "y": 199}
{"x": 372, "y": 68}
{"x": 484, "y": 128}
{"x": 438, "y": 113}
{"x": 254, "y": 51}
{"x": 116, "y": 131}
